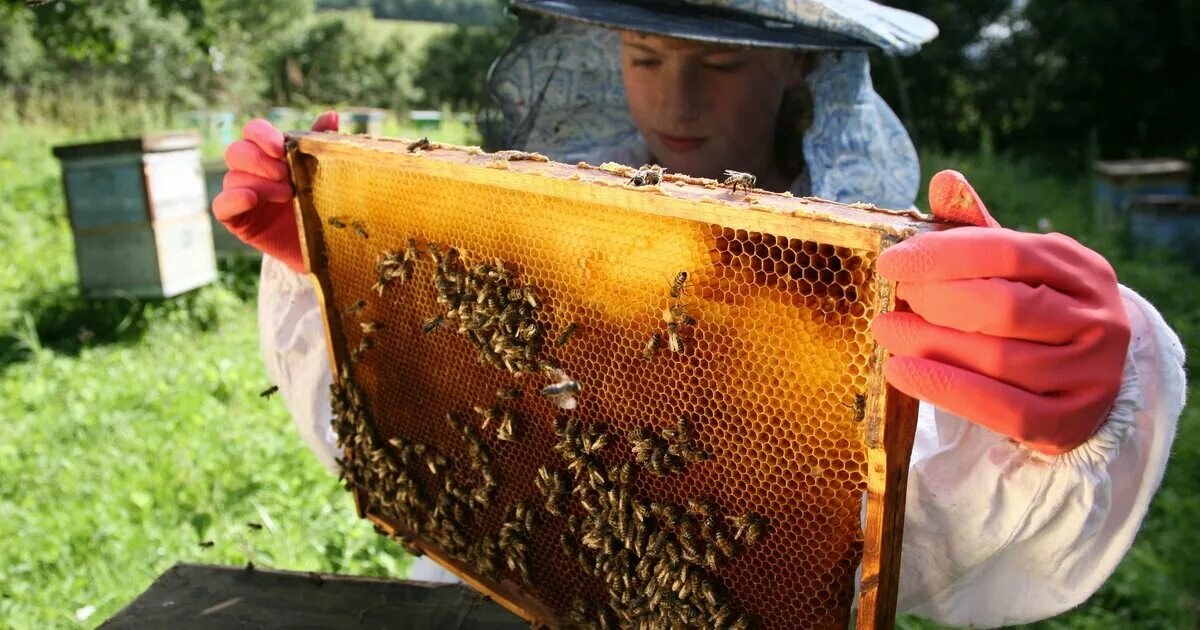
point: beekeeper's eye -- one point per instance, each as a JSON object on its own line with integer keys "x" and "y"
{"x": 646, "y": 62}
{"x": 725, "y": 63}
{"x": 725, "y": 68}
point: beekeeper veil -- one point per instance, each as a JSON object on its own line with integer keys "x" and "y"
{"x": 558, "y": 89}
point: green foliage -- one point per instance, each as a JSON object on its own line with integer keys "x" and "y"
{"x": 340, "y": 58}
{"x": 1123, "y": 70}
{"x": 1065, "y": 80}
{"x": 142, "y": 51}
{"x": 475, "y": 12}
{"x": 453, "y": 72}
{"x": 936, "y": 91}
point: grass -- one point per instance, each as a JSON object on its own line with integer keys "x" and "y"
{"x": 131, "y": 431}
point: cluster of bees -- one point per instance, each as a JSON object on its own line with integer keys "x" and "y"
{"x": 666, "y": 454}
{"x": 653, "y": 558}
{"x": 647, "y": 175}
{"x": 497, "y": 315}
{"x": 393, "y": 482}
{"x": 677, "y": 319}
{"x": 393, "y": 266}
{"x": 507, "y": 420}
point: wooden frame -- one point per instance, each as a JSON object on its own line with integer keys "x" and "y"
{"x": 890, "y": 417}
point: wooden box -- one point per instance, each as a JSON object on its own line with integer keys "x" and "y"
{"x": 1116, "y": 182}
{"x": 139, "y": 213}
{"x": 1169, "y": 222}
{"x": 592, "y": 394}
{"x": 367, "y": 120}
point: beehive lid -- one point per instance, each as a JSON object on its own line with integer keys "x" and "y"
{"x": 515, "y": 343}
{"x": 1145, "y": 167}
{"x": 148, "y": 143}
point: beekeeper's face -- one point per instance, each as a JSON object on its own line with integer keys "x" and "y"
{"x": 704, "y": 108}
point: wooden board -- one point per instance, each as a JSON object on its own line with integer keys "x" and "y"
{"x": 204, "y": 597}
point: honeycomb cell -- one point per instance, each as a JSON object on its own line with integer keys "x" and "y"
{"x": 752, "y": 324}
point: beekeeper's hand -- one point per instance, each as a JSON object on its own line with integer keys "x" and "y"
{"x": 1024, "y": 334}
{"x": 255, "y": 203}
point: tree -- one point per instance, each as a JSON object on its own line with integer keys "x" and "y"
{"x": 339, "y": 58}
{"x": 936, "y": 91}
{"x": 453, "y": 71}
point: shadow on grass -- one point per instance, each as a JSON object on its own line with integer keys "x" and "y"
{"x": 64, "y": 322}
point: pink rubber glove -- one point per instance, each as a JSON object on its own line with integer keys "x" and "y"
{"x": 256, "y": 201}
{"x": 1024, "y": 334}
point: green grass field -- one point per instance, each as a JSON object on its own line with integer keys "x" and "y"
{"x": 132, "y": 431}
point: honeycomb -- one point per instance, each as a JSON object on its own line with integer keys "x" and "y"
{"x": 608, "y": 397}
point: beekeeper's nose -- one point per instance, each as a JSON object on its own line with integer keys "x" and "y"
{"x": 682, "y": 93}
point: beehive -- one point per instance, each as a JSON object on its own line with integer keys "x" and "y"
{"x": 457, "y": 286}
{"x": 138, "y": 215}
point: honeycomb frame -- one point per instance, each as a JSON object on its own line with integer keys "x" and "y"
{"x": 603, "y": 246}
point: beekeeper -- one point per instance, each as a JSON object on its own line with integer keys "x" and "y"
{"x": 1051, "y": 393}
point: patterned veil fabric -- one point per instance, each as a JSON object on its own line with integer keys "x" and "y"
{"x": 558, "y": 90}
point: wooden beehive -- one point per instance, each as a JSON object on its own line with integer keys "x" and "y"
{"x": 516, "y": 343}
{"x": 139, "y": 215}
{"x": 1116, "y": 182}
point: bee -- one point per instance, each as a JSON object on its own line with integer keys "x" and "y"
{"x": 435, "y": 252}
{"x": 677, "y": 314}
{"x": 419, "y": 145}
{"x": 566, "y": 387}
{"x": 412, "y": 253}
{"x": 432, "y": 324}
{"x": 733, "y": 179}
{"x": 357, "y": 306}
{"x": 679, "y": 284}
{"x": 337, "y": 222}
{"x": 565, "y": 336}
{"x": 651, "y": 345}
{"x": 701, "y": 507}
{"x": 206, "y": 544}
{"x": 724, "y": 544}
{"x": 859, "y": 407}
{"x": 531, "y": 296}
{"x": 710, "y": 593}
{"x": 508, "y": 393}
{"x": 506, "y": 430}
{"x": 674, "y": 339}
{"x": 647, "y": 175}
{"x": 488, "y": 415}
{"x": 435, "y": 463}
{"x": 370, "y": 327}
{"x": 448, "y": 259}
{"x": 254, "y": 526}
{"x": 749, "y": 526}
{"x": 268, "y": 392}
{"x": 743, "y": 622}
{"x": 360, "y": 229}
{"x": 721, "y": 615}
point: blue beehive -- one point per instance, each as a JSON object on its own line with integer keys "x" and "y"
{"x": 139, "y": 214}
{"x": 1167, "y": 222}
{"x": 1116, "y": 182}
{"x": 366, "y": 120}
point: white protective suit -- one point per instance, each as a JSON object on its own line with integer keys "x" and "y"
{"x": 994, "y": 533}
